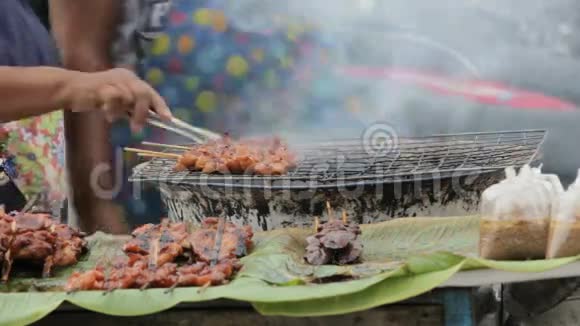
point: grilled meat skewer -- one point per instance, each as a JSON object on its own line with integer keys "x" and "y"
{"x": 335, "y": 242}
{"x": 260, "y": 157}
{"x": 152, "y": 258}
{"x": 38, "y": 239}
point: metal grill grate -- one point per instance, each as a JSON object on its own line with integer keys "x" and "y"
{"x": 343, "y": 163}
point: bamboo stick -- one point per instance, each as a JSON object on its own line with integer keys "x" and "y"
{"x": 151, "y": 153}
{"x": 344, "y": 217}
{"x": 316, "y": 224}
{"x": 330, "y": 212}
{"x": 146, "y": 143}
{"x": 171, "y": 157}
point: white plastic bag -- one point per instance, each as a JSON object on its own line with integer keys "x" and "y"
{"x": 564, "y": 237}
{"x": 515, "y": 215}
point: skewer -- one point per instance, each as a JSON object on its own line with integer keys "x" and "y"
{"x": 330, "y": 212}
{"x": 145, "y": 286}
{"x": 47, "y": 268}
{"x": 204, "y": 287}
{"x": 110, "y": 290}
{"x": 6, "y": 266}
{"x": 146, "y": 143}
{"x": 7, "y": 263}
{"x": 171, "y": 157}
{"x": 30, "y": 204}
{"x": 218, "y": 240}
{"x": 155, "y": 252}
{"x": 174, "y": 285}
{"x": 344, "y": 217}
{"x": 145, "y": 152}
{"x": 316, "y": 224}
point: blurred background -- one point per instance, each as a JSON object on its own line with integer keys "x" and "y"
{"x": 442, "y": 67}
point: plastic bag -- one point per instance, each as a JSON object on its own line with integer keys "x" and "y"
{"x": 564, "y": 236}
{"x": 515, "y": 215}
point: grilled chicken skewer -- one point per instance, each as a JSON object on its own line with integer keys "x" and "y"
{"x": 36, "y": 238}
{"x": 154, "y": 255}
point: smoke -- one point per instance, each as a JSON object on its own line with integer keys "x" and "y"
{"x": 523, "y": 43}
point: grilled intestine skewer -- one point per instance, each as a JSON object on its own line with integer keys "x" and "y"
{"x": 334, "y": 242}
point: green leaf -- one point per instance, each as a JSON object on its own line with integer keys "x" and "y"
{"x": 26, "y": 308}
{"x": 254, "y": 290}
{"x": 388, "y": 291}
{"x": 277, "y": 257}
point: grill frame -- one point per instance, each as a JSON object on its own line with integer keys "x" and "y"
{"x": 480, "y": 146}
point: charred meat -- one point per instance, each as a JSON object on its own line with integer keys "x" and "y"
{"x": 335, "y": 243}
{"x": 258, "y": 157}
{"x": 164, "y": 242}
{"x": 235, "y": 241}
{"x": 36, "y": 238}
{"x": 153, "y": 258}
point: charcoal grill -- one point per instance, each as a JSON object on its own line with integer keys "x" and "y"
{"x": 426, "y": 176}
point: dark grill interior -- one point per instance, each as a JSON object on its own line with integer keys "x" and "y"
{"x": 343, "y": 163}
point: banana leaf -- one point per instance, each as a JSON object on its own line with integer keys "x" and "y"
{"x": 402, "y": 258}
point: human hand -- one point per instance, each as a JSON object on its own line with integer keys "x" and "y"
{"x": 117, "y": 92}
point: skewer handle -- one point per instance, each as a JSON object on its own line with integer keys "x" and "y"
{"x": 330, "y": 212}
{"x": 146, "y": 143}
{"x": 316, "y": 224}
{"x": 168, "y": 156}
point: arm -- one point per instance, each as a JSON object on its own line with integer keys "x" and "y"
{"x": 84, "y": 31}
{"x": 27, "y": 92}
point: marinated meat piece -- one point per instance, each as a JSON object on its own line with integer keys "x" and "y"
{"x": 91, "y": 280}
{"x": 152, "y": 254}
{"x": 208, "y": 275}
{"x": 70, "y": 244}
{"x": 203, "y": 243}
{"x": 235, "y": 241}
{"x": 38, "y": 239}
{"x": 33, "y": 222}
{"x": 165, "y": 241}
{"x": 261, "y": 157}
{"x": 32, "y": 246}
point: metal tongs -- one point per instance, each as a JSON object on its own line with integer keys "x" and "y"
{"x": 182, "y": 128}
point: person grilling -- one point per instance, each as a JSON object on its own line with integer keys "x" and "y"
{"x": 35, "y": 91}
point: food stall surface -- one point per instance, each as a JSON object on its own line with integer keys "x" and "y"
{"x": 441, "y": 307}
